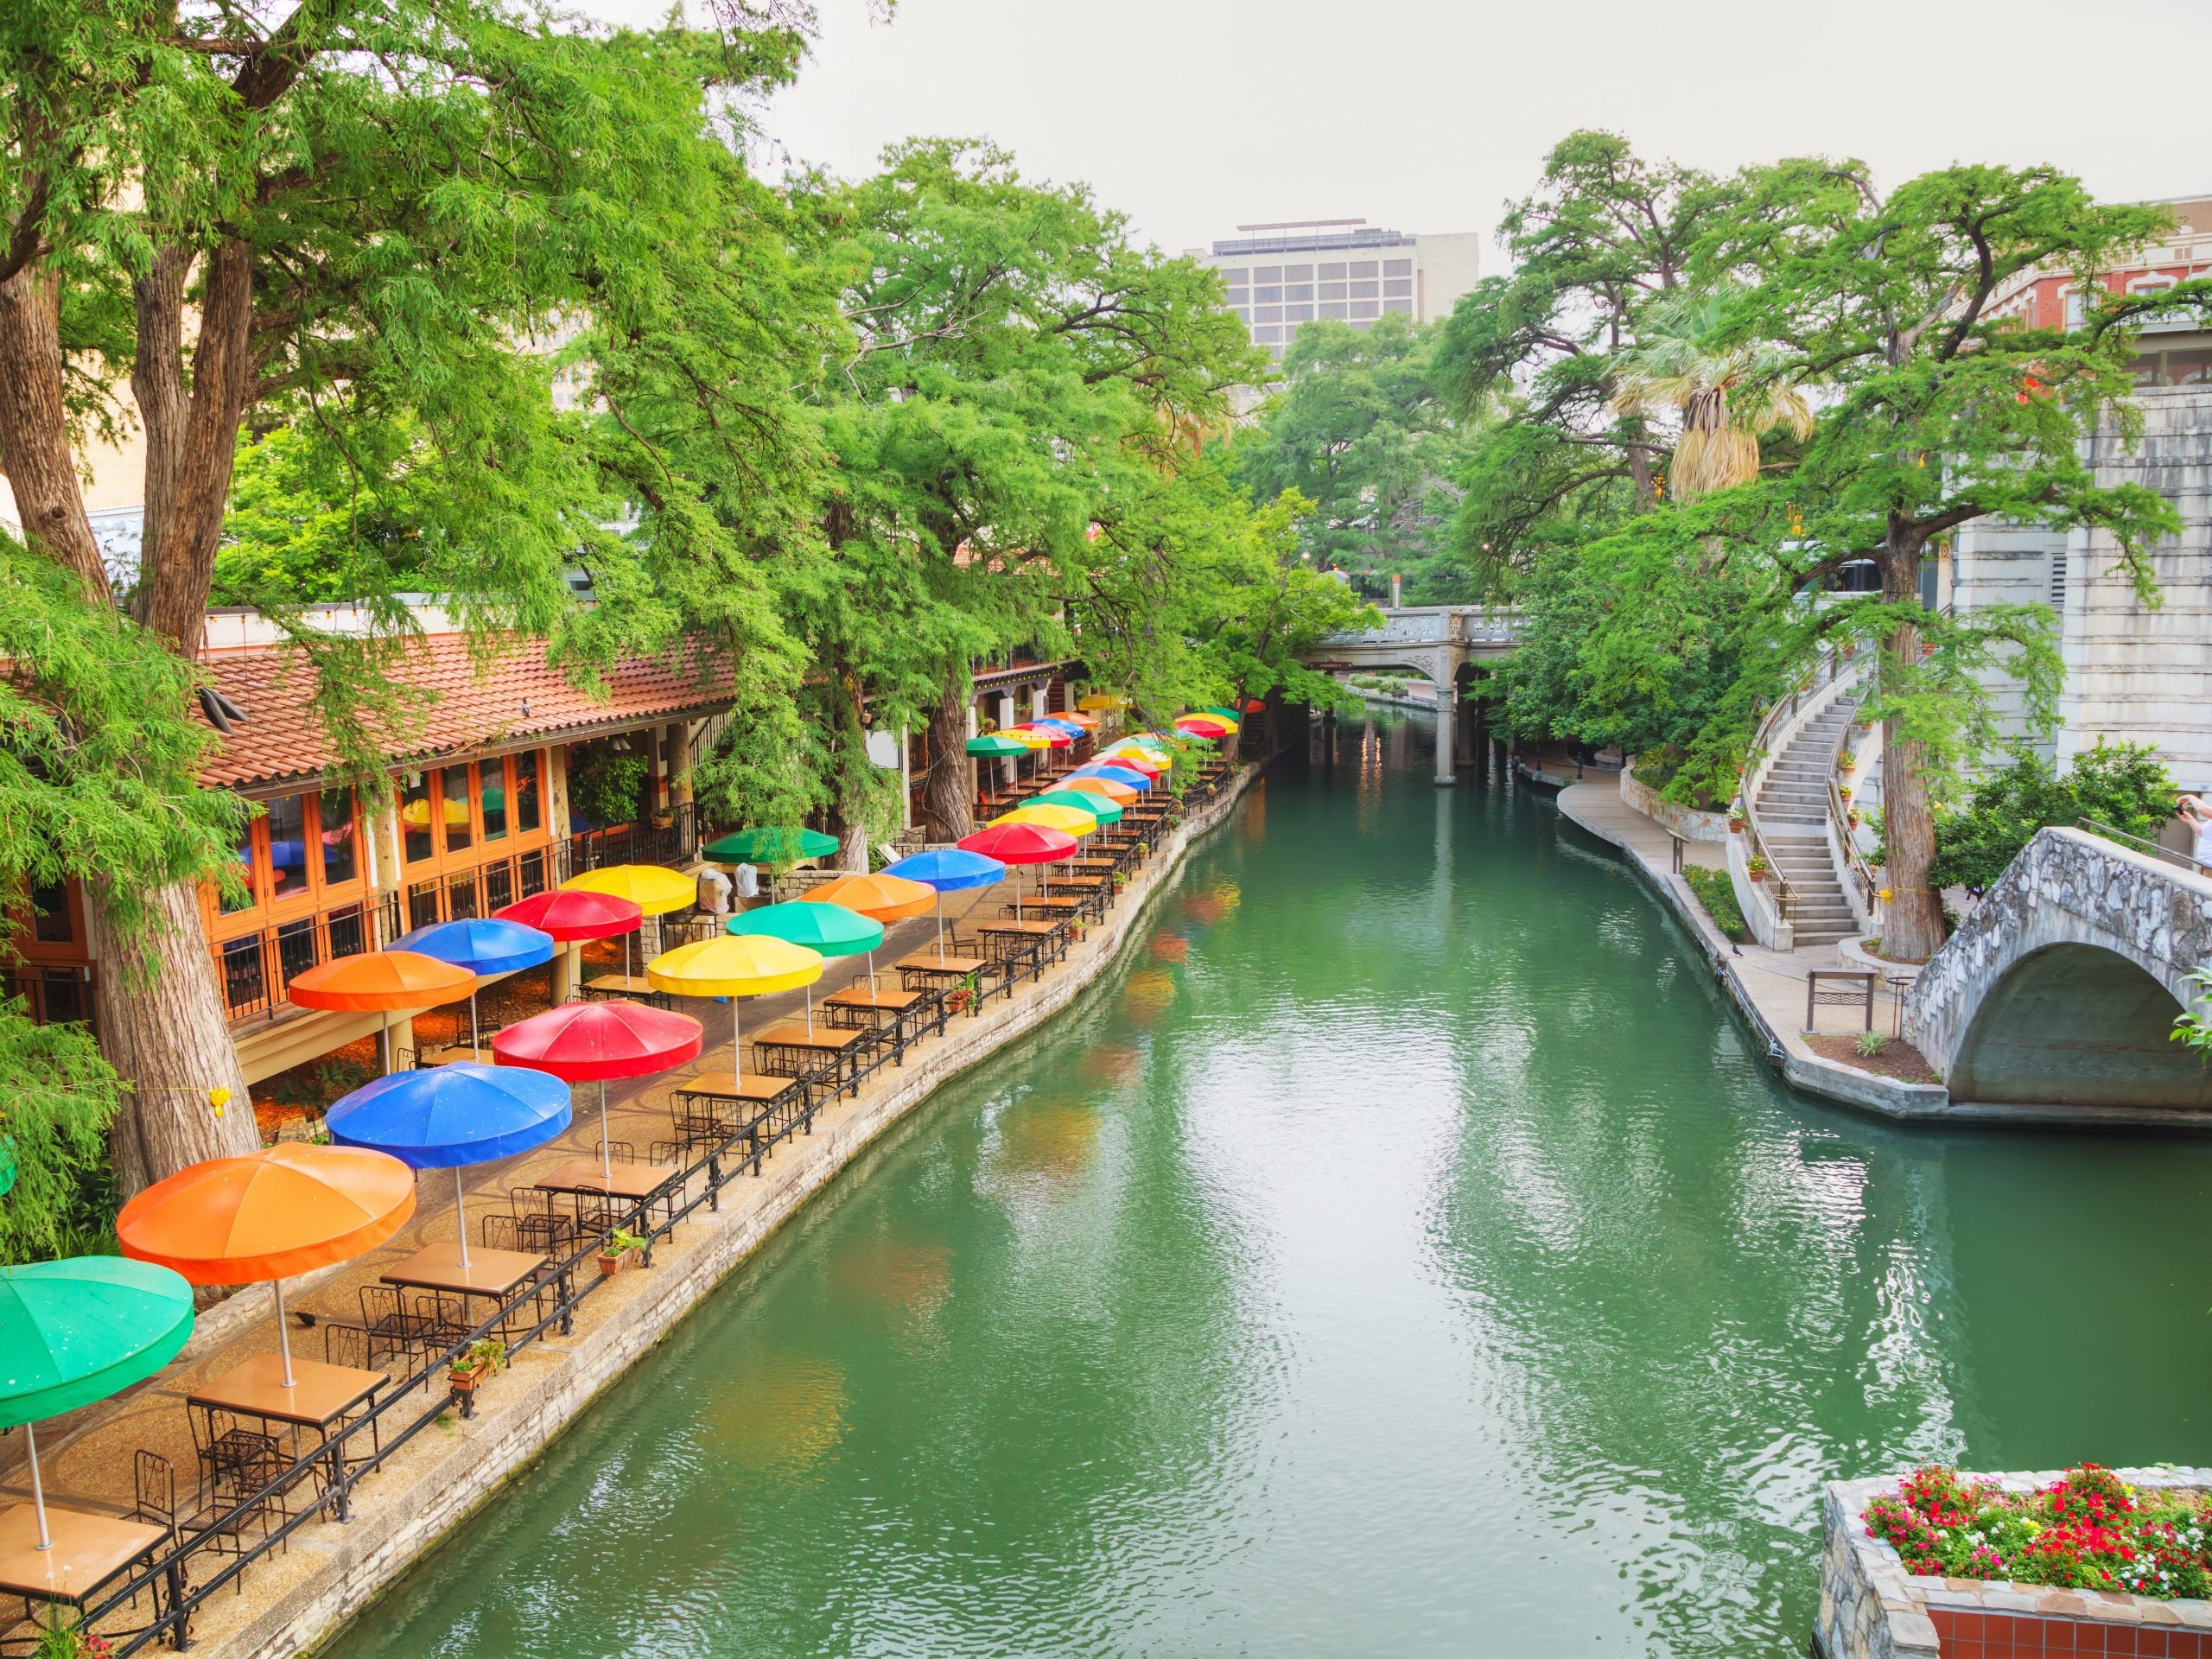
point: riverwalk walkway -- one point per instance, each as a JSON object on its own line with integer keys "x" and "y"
{"x": 289, "y": 1601}
{"x": 1767, "y": 987}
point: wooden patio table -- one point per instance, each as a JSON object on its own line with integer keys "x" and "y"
{"x": 622, "y": 985}
{"x": 903, "y": 1013}
{"x": 585, "y": 1177}
{"x": 89, "y": 1552}
{"x": 839, "y": 1043}
{"x": 489, "y": 1273}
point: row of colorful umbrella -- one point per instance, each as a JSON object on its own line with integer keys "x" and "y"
{"x": 78, "y": 1330}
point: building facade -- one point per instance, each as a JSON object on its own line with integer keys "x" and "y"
{"x": 1282, "y": 275}
{"x": 2135, "y": 672}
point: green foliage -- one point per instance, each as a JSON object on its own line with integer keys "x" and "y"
{"x": 1360, "y": 432}
{"x": 2120, "y": 784}
{"x": 1869, "y": 1044}
{"x": 1718, "y": 894}
{"x": 608, "y": 786}
{"x": 98, "y": 760}
{"x": 54, "y": 1116}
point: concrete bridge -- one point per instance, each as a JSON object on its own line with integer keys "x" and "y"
{"x": 2057, "y": 997}
{"x": 1450, "y": 646}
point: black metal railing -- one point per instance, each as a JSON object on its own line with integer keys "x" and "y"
{"x": 257, "y": 968}
{"x": 55, "y": 993}
{"x": 669, "y": 837}
{"x": 2155, "y": 849}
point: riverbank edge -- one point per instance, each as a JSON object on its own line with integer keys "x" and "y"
{"x": 334, "y": 1573}
{"x": 1801, "y": 1068}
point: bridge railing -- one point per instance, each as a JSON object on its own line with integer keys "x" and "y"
{"x": 2156, "y": 850}
{"x": 1437, "y": 625}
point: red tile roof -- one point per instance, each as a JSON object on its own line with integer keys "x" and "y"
{"x": 515, "y": 697}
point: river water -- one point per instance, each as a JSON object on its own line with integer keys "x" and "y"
{"x": 1403, "y": 1251}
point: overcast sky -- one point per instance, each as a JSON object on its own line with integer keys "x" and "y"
{"x": 1195, "y": 116}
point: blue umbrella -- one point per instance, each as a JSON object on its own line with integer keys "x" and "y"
{"x": 1128, "y": 776}
{"x": 451, "y": 1116}
{"x": 482, "y": 946}
{"x": 948, "y": 869}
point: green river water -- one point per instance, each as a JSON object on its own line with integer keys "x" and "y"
{"x": 1402, "y": 1251}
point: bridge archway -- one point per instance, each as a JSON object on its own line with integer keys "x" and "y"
{"x": 2080, "y": 1025}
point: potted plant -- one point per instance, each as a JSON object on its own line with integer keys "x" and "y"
{"x": 484, "y": 1358}
{"x": 1736, "y": 819}
{"x": 1843, "y": 791}
{"x": 1755, "y": 867}
{"x": 622, "y": 1247}
{"x": 966, "y": 994}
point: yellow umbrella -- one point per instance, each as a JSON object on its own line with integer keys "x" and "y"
{"x": 1100, "y": 700}
{"x": 1066, "y": 818}
{"x": 653, "y": 890}
{"x": 1028, "y": 739}
{"x": 735, "y": 965}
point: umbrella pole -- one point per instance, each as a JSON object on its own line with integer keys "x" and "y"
{"x": 871, "y": 973}
{"x": 461, "y": 1215}
{"x": 940, "y": 922}
{"x": 606, "y": 1151}
{"x": 475, "y": 1042}
{"x": 38, "y": 1492}
{"x": 810, "y": 1011}
{"x": 736, "y": 1043}
{"x": 283, "y": 1337}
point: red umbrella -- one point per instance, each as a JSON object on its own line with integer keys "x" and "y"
{"x": 574, "y": 914}
{"x": 590, "y": 1042}
{"x": 1020, "y": 843}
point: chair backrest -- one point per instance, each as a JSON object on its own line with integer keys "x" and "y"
{"x": 379, "y": 1304}
{"x": 620, "y": 1151}
{"x": 153, "y": 1485}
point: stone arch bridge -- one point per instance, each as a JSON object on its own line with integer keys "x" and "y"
{"x": 2057, "y": 996}
{"x": 1450, "y": 646}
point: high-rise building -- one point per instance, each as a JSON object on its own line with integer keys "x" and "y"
{"x": 1280, "y": 276}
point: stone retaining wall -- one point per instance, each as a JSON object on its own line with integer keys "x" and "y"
{"x": 1685, "y": 821}
{"x": 296, "y": 1601}
{"x": 1872, "y": 1608}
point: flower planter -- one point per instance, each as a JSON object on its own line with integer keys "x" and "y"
{"x": 1735, "y": 826}
{"x": 1756, "y": 875}
{"x": 612, "y": 1262}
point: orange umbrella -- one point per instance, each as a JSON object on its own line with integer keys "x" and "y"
{"x": 880, "y": 898}
{"x": 380, "y": 981}
{"x": 265, "y": 1215}
{"x": 1091, "y": 783}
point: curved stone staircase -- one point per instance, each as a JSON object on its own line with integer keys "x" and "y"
{"x": 1793, "y": 821}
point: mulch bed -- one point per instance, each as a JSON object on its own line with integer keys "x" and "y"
{"x": 1898, "y": 1058}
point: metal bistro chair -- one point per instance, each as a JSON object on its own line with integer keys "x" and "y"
{"x": 221, "y": 1528}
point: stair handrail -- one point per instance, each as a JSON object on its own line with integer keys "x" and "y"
{"x": 1854, "y": 861}
{"x": 1817, "y": 673}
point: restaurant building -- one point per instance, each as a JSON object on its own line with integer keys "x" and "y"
{"x": 486, "y": 806}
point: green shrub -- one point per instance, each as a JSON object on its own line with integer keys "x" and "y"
{"x": 2120, "y": 784}
{"x": 607, "y": 786}
{"x": 1718, "y": 894}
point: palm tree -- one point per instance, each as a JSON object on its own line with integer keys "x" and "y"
{"x": 1725, "y": 394}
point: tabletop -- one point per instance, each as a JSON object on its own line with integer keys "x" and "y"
{"x": 88, "y": 1550}
{"x": 447, "y": 1055}
{"x": 1030, "y": 901}
{"x": 1027, "y": 929}
{"x": 587, "y": 1175}
{"x": 489, "y": 1273}
{"x": 727, "y": 1085}
{"x": 321, "y": 1394}
{"x": 859, "y": 996}
{"x": 791, "y": 1034}
{"x": 928, "y": 961}
{"x": 621, "y": 985}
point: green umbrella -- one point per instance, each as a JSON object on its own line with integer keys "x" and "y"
{"x": 1082, "y": 800}
{"x": 778, "y": 844}
{"x": 1226, "y": 714}
{"x": 827, "y": 929}
{"x": 995, "y": 745}
{"x": 80, "y": 1330}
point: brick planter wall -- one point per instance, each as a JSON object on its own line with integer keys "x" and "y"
{"x": 1872, "y": 1608}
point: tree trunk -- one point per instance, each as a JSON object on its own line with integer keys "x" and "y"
{"x": 198, "y": 452}
{"x": 34, "y": 433}
{"x": 945, "y": 795}
{"x": 1913, "y": 922}
{"x": 165, "y": 1029}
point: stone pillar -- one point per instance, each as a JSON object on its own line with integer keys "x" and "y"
{"x": 1446, "y": 740}
{"x": 568, "y": 972}
{"x": 1009, "y": 769}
